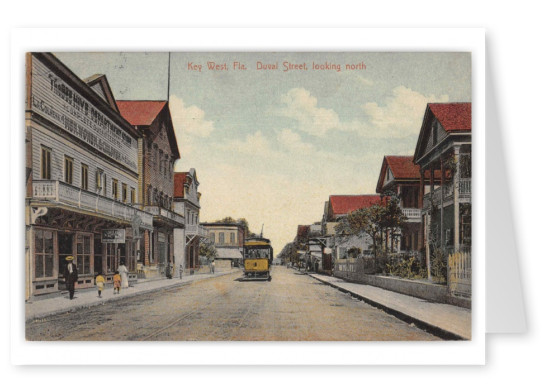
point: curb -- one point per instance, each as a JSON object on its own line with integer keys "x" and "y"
{"x": 32, "y": 318}
{"x": 430, "y": 328}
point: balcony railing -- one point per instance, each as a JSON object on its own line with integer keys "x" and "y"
{"x": 412, "y": 213}
{"x": 196, "y": 230}
{"x": 463, "y": 189}
{"x": 162, "y": 212}
{"x": 65, "y": 194}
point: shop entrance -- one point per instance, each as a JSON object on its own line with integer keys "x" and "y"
{"x": 98, "y": 255}
{"x": 65, "y": 248}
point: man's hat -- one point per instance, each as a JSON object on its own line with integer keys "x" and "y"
{"x": 69, "y": 258}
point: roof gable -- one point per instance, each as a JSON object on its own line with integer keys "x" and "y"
{"x": 182, "y": 180}
{"x": 100, "y": 85}
{"x": 145, "y": 112}
{"x": 439, "y": 122}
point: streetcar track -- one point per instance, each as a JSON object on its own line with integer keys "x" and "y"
{"x": 250, "y": 306}
{"x": 182, "y": 317}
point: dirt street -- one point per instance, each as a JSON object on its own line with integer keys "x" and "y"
{"x": 292, "y": 307}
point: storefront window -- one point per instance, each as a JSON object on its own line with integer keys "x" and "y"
{"x": 83, "y": 254}
{"x": 131, "y": 255}
{"x": 44, "y": 253}
{"x": 111, "y": 257}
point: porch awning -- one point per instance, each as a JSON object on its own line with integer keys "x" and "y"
{"x": 228, "y": 253}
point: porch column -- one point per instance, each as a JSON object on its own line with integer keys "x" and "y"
{"x": 420, "y": 203}
{"x": 442, "y": 175}
{"x": 456, "y": 216}
{"x": 427, "y": 244}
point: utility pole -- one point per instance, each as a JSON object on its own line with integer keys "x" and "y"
{"x": 168, "y": 84}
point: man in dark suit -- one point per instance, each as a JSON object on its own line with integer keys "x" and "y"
{"x": 71, "y": 275}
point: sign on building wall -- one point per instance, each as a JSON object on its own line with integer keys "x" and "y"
{"x": 61, "y": 104}
{"x": 113, "y": 235}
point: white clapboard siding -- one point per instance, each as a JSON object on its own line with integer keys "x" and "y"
{"x": 115, "y": 141}
{"x": 61, "y": 148}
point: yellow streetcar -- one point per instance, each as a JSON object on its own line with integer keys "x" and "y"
{"x": 258, "y": 255}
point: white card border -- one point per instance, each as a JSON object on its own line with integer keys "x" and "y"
{"x": 250, "y": 353}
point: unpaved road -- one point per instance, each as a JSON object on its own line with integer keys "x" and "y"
{"x": 292, "y": 307}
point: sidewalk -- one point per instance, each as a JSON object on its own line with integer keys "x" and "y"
{"x": 89, "y": 297}
{"x": 444, "y": 320}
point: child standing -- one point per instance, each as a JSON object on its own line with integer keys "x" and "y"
{"x": 100, "y": 282}
{"x": 116, "y": 283}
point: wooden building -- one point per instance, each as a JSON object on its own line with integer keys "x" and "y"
{"x": 187, "y": 203}
{"x": 157, "y": 151}
{"x": 82, "y": 178}
{"x": 401, "y": 177}
{"x": 444, "y": 146}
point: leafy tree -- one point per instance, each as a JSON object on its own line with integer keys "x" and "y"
{"x": 375, "y": 221}
{"x": 207, "y": 250}
{"x": 367, "y": 220}
{"x": 393, "y": 219}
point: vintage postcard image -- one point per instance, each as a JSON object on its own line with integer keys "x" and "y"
{"x": 248, "y": 196}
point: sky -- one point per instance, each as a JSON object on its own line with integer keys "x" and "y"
{"x": 273, "y": 135}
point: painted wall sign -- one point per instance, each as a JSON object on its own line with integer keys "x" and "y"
{"x": 61, "y": 104}
{"x": 113, "y": 236}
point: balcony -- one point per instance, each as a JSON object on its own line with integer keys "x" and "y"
{"x": 413, "y": 215}
{"x": 163, "y": 215}
{"x": 463, "y": 189}
{"x": 196, "y": 230}
{"x": 64, "y": 194}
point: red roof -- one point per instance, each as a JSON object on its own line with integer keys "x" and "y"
{"x": 453, "y": 116}
{"x": 302, "y": 231}
{"x": 402, "y": 167}
{"x": 140, "y": 112}
{"x": 179, "y": 181}
{"x": 344, "y": 204}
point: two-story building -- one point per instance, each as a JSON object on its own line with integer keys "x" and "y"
{"x": 82, "y": 178}
{"x": 187, "y": 203}
{"x": 157, "y": 151}
{"x": 228, "y": 238}
{"x": 401, "y": 177}
{"x": 444, "y": 146}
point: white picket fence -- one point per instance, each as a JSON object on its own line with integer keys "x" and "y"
{"x": 459, "y": 274}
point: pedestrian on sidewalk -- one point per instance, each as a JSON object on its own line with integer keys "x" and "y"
{"x": 123, "y": 271}
{"x": 116, "y": 283}
{"x": 212, "y": 267}
{"x": 100, "y": 282}
{"x": 181, "y": 270}
{"x": 71, "y": 276}
{"x": 168, "y": 271}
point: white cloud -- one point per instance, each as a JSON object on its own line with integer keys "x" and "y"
{"x": 255, "y": 144}
{"x": 189, "y": 120}
{"x": 303, "y": 107}
{"x": 401, "y": 115}
{"x": 293, "y": 142}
